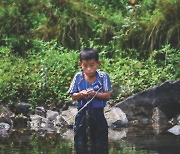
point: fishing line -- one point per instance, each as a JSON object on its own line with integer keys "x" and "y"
{"x": 86, "y": 104}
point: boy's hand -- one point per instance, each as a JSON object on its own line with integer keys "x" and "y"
{"x": 80, "y": 95}
{"x": 83, "y": 93}
{"x": 87, "y": 93}
{"x": 91, "y": 93}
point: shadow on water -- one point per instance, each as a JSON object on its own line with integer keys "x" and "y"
{"x": 132, "y": 140}
{"x": 145, "y": 139}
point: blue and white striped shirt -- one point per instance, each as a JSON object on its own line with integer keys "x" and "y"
{"x": 79, "y": 83}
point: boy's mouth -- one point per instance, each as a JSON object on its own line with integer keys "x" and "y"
{"x": 89, "y": 74}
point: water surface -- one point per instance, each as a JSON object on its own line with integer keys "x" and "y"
{"x": 134, "y": 140}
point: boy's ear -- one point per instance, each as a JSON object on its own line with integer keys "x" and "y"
{"x": 99, "y": 62}
{"x": 80, "y": 64}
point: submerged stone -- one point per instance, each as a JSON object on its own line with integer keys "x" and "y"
{"x": 116, "y": 117}
{"x": 175, "y": 130}
{"x": 4, "y": 128}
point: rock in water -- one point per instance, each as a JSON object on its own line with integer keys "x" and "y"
{"x": 116, "y": 117}
{"x": 69, "y": 115}
{"x": 4, "y": 128}
{"x": 165, "y": 96}
{"x": 175, "y": 130}
{"x": 158, "y": 116}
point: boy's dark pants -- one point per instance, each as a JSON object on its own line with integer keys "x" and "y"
{"x": 91, "y": 127}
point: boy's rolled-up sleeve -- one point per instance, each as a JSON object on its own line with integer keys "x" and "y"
{"x": 106, "y": 82}
{"x": 73, "y": 87}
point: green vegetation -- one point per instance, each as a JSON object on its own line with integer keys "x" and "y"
{"x": 123, "y": 147}
{"x": 41, "y": 77}
{"x": 139, "y": 45}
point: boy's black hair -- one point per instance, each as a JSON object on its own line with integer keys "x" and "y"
{"x": 89, "y": 54}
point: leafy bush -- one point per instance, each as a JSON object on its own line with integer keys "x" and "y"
{"x": 147, "y": 25}
{"x": 130, "y": 75}
{"x": 42, "y": 77}
{"x": 130, "y": 42}
{"x": 18, "y": 18}
{"x": 157, "y": 24}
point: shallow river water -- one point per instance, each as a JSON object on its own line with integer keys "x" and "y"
{"x": 132, "y": 140}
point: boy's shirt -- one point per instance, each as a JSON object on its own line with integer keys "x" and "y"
{"x": 79, "y": 83}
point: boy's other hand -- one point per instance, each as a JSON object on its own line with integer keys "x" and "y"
{"x": 90, "y": 93}
{"x": 87, "y": 93}
{"x": 83, "y": 93}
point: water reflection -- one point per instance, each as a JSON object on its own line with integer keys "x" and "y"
{"x": 31, "y": 142}
{"x": 133, "y": 140}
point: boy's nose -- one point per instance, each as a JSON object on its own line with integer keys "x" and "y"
{"x": 89, "y": 68}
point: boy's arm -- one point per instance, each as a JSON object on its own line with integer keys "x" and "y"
{"x": 104, "y": 96}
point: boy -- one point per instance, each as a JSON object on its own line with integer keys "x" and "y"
{"x": 86, "y": 84}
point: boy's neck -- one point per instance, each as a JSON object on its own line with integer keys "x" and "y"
{"x": 90, "y": 79}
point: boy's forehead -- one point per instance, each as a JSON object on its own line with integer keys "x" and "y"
{"x": 89, "y": 61}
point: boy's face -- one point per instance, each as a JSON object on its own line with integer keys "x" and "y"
{"x": 89, "y": 67}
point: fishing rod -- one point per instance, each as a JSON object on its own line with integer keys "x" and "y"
{"x": 85, "y": 104}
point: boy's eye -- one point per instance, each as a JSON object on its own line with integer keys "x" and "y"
{"x": 90, "y": 65}
{"x": 85, "y": 65}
